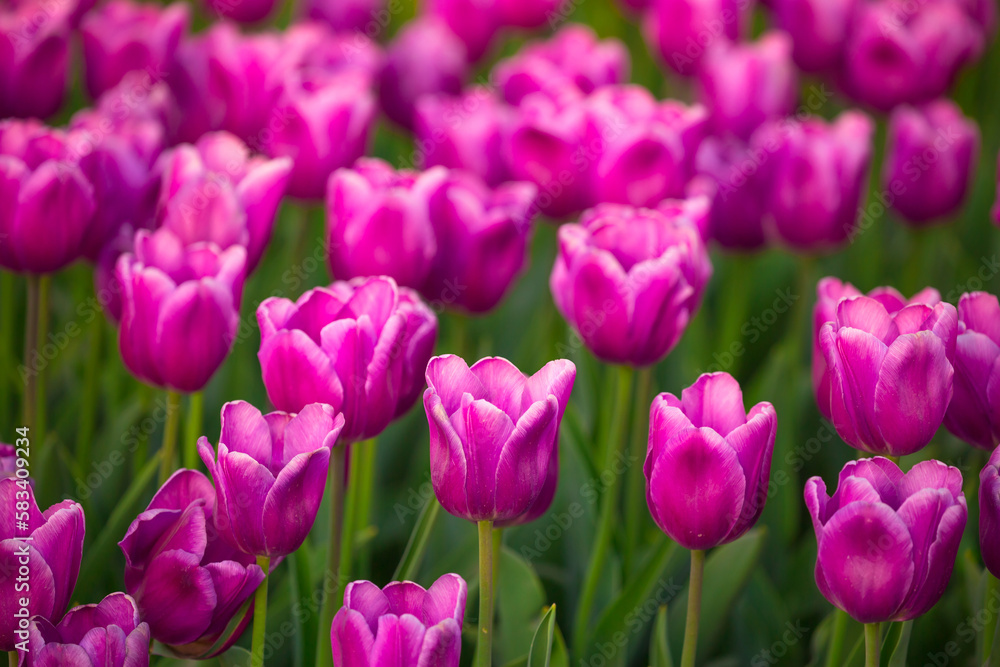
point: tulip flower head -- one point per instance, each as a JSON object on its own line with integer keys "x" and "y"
{"x": 887, "y": 541}
{"x": 989, "y": 513}
{"x": 678, "y": 31}
{"x": 973, "y": 412}
{"x": 34, "y": 57}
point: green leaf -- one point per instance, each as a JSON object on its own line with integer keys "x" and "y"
{"x": 659, "y": 645}
{"x": 237, "y": 656}
{"x": 409, "y": 564}
{"x": 540, "y": 654}
{"x": 900, "y": 632}
{"x": 520, "y": 600}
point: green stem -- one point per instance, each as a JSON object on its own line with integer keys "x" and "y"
{"x": 44, "y": 290}
{"x": 88, "y": 400}
{"x": 192, "y": 429}
{"x": 694, "y": 608}
{"x": 29, "y": 403}
{"x": 872, "y": 641}
{"x": 12, "y": 659}
{"x": 615, "y": 442}
{"x": 635, "y": 493}
{"x": 365, "y": 452}
{"x": 834, "y": 656}
{"x": 332, "y": 576}
{"x": 484, "y": 645}
{"x": 260, "y": 615}
{"x": 7, "y": 358}
{"x": 168, "y": 462}
{"x": 989, "y": 632}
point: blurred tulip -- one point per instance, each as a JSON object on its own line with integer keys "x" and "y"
{"x": 493, "y": 430}
{"x": 53, "y": 543}
{"x": 121, "y": 36}
{"x": 34, "y": 55}
{"x": 243, "y": 11}
{"x": 475, "y": 22}
{"x": 270, "y": 474}
{"x": 360, "y": 347}
{"x": 890, "y": 374}
{"x": 109, "y": 633}
{"x": 818, "y": 29}
{"x": 708, "y": 463}
{"x": 628, "y": 280}
{"x": 679, "y": 31}
{"x": 931, "y": 153}
{"x": 187, "y": 582}
{"x": 180, "y": 309}
{"x": 358, "y": 16}
{"x": 8, "y": 460}
{"x": 731, "y": 177}
{"x": 989, "y": 513}
{"x": 401, "y": 624}
{"x": 974, "y": 412}
{"x": 829, "y": 293}
{"x": 887, "y": 541}
{"x": 424, "y": 58}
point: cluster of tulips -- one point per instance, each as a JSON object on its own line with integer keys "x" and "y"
{"x": 170, "y": 182}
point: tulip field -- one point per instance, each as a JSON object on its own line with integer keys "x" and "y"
{"x": 514, "y": 333}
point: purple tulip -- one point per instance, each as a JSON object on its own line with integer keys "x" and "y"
{"x": 818, "y": 29}
{"x": 989, "y": 513}
{"x": 243, "y": 11}
{"x": 819, "y": 173}
{"x": 8, "y": 461}
{"x": 360, "y": 347}
{"x": 744, "y": 85}
{"x": 974, "y": 412}
{"x": 931, "y": 153}
{"x": 34, "y": 57}
{"x": 493, "y": 432}
{"x": 54, "y": 551}
{"x": 401, "y": 624}
{"x": 187, "y": 582}
{"x": 270, "y": 474}
{"x": 890, "y": 374}
{"x": 730, "y": 175}
{"x": 830, "y": 292}
{"x": 679, "y": 31}
{"x": 532, "y": 13}
{"x": 46, "y": 202}
{"x": 887, "y": 541}
{"x": 424, "y": 58}
{"x": 476, "y": 22}
{"x": 358, "y": 16}
{"x": 573, "y": 57}
{"x": 464, "y": 132}
{"x": 121, "y": 36}
{"x": 109, "y": 633}
{"x": 180, "y": 309}
{"x": 708, "y": 463}
{"x": 216, "y": 192}
{"x": 629, "y": 279}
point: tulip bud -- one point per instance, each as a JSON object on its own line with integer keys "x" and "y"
{"x": 350, "y": 16}
{"x": 972, "y": 414}
{"x": 890, "y": 374}
{"x": 680, "y": 31}
{"x": 818, "y": 29}
{"x": 533, "y": 13}
{"x": 476, "y": 22}
{"x": 34, "y": 55}
{"x": 887, "y": 541}
{"x": 243, "y": 11}
{"x": 708, "y": 463}
{"x": 493, "y": 432}
{"x": 366, "y": 630}
{"x": 730, "y": 174}
{"x": 270, "y": 474}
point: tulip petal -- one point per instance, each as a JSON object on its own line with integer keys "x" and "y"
{"x": 447, "y": 458}
{"x": 181, "y": 489}
{"x": 866, "y": 314}
{"x": 54, "y": 191}
{"x": 504, "y": 384}
{"x": 60, "y": 543}
{"x": 487, "y": 430}
{"x": 989, "y": 513}
{"x": 450, "y": 377}
{"x": 292, "y": 503}
{"x": 405, "y": 597}
{"x": 715, "y": 401}
{"x": 367, "y": 599}
{"x": 351, "y": 638}
{"x": 523, "y": 463}
{"x": 753, "y": 443}
{"x": 245, "y": 430}
{"x": 602, "y": 305}
{"x": 309, "y": 430}
{"x": 661, "y": 311}
{"x": 62, "y": 655}
{"x": 246, "y": 484}
{"x": 969, "y": 415}
{"x": 297, "y": 372}
{"x": 554, "y": 378}
{"x": 884, "y": 476}
{"x": 234, "y": 583}
{"x": 398, "y": 641}
{"x": 931, "y": 474}
{"x": 442, "y": 644}
{"x": 42, "y": 600}
{"x": 445, "y": 599}
{"x": 260, "y": 193}
{"x": 854, "y": 358}
{"x": 980, "y": 312}
{"x": 194, "y": 333}
{"x": 177, "y": 597}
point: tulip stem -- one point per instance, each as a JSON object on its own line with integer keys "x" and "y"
{"x": 30, "y": 398}
{"x": 834, "y": 656}
{"x": 192, "y": 429}
{"x": 7, "y": 310}
{"x": 12, "y": 659}
{"x": 332, "y": 576}
{"x": 88, "y": 399}
{"x": 694, "y": 608}
{"x": 44, "y": 285}
{"x": 872, "y": 644}
{"x": 168, "y": 458}
{"x": 635, "y": 498}
{"x": 260, "y": 615}
{"x": 484, "y": 645}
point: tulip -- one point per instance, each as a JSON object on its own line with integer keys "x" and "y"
{"x": 109, "y": 633}
{"x": 532, "y": 13}
{"x": 745, "y": 85}
{"x": 187, "y": 582}
{"x": 401, "y": 624}
{"x": 34, "y": 57}
{"x": 8, "y": 461}
{"x": 121, "y": 36}
{"x": 216, "y": 192}
{"x": 989, "y": 513}
{"x": 973, "y": 413}
{"x": 475, "y": 22}
{"x": 890, "y": 374}
{"x": 730, "y": 175}
{"x": 887, "y": 541}
{"x": 54, "y": 543}
{"x": 628, "y": 280}
{"x": 819, "y": 173}
{"x": 829, "y": 293}
{"x": 424, "y": 58}
{"x": 818, "y": 29}
{"x": 358, "y": 16}
{"x": 357, "y": 346}
{"x": 180, "y": 309}
{"x": 678, "y": 31}
{"x": 243, "y": 11}
{"x": 932, "y": 150}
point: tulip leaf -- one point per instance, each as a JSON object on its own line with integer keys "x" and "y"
{"x": 659, "y": 645}
{"x": 898, "y": 639}
{"x": 540, "y": 654}
{"x": 413, "y": 555}
{"x": 237, "y": 656}
{"x": 520, "y": 600}
{"x": 727, "y": 571}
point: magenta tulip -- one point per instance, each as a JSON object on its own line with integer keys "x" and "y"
{"x": 974, "y": 412}
{"x": 730, "y": 175}
{"x": 475, "y": 22}
{"x": 346, "y": 16}
{"x": 989, "y": 513}
{"x": 244, "y": 11}
{"x": 678, "y": 31}
{"x": 819, "y": 30}
{"x": 34, "y": 57}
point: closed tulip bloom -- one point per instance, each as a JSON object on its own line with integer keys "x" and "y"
{"x": 243, "y": 11}
{"x": 187, "y": 581}
{"x": 110, "y": 633}
{"x": 270, "y": 474}
{"x": 34, "y": 55}
{"x": 890, "y": 374}
{"x": 678, "y": 31}
{"x": 360, "y": 346}
{"x": 924, "y": 189}
{"x": 829, "y": 293}
{"x": 401, "y": 624}
{"x": 493, "y": 431}
{"x": 819, "y": 30}
{"x": 989, "y": 513}
{"x": 475, "y": 22}
{"x": 180, "y": 309}
{"x": 628, "y": 280}
{"x": 729, "y": 176}
{"x": 708, "y": 463}
{"x": 121, "y": 36}
{"x": 974, "y": 412}
{"x": 54, "y": 551}
{"x": 887, "y": 541}
{"x": 346, "y": 15}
